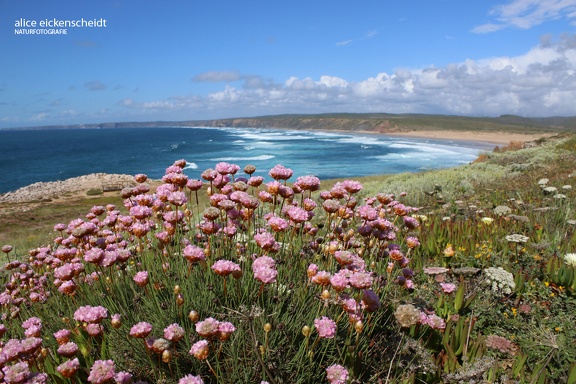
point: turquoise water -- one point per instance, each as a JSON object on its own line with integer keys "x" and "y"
{"x": 29, "y": 156}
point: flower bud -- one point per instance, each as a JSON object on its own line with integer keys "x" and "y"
{"x": 179, "y": 299}
{"x": 306, "y": 331}
{"x": 325, "y": 294}
{"x": 267, "y": 327}
{"x": 193, "y": 316}
{"x": 167, "y": 356}
{"x": 177, "y": 290}
{"x": 359, "y": 326}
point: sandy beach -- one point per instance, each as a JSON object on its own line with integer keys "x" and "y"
{"x": 499, "y": 138}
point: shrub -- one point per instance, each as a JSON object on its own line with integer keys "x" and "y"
{"x": 94, "y": 192}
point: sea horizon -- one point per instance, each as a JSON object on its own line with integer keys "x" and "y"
{"x": 45, "y": 155}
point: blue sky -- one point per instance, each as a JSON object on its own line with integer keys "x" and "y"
{"x": 186, "y": 60}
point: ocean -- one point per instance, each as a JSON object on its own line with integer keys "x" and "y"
{"x": 29, "y": 156}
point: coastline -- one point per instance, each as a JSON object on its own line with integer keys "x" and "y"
{"x": 497, "y": 138}
{"x": 79, "y": 185}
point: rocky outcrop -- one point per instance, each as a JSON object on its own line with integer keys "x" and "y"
{"x": 50, "y": 190}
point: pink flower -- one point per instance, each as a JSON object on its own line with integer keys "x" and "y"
{"x": 361, "y": 280}
{"x": 123, "y": 378}
{"x": 339, "y": 281}
{"x": 190, "y": 379}
{"x": 435, "y": 322}
{"x": 68, "y": 349}
{"x": 102, "y": 371}
{"x": 264, "y": 274}
{"x": 279, "y": 172}
{"x": 297, "y": 214}
{"x": 312, "y": 270}
{"x": 208, "y": 327}
{"x": 89, "y": 314}
{"x": 141, "y": 278}
{"x": 448, "y": 287}
{"x": 177, "y": 198}
{"x": 200, "y": 350}
{"x": 173, "y": 332}
{"x": 255, "y": 181}
{"x": 351, "y": 186}
{"x": 94, "y": 329}
{"x": 194, "y": 185}
{"x": 277, "y": 223}
{"x": 308, "y": 183}
{"x": 226, "y": 168}
{"x": 193, "y": 253}
{"x": 140, "y": 330}
{"x": 326, "y": 327}
{"x": 321, "y": 278}
{"x": 225, "y": 267}
{"x": 68, "y": 368}
{"x": 16, "y": 373}
{"x": 225, "y": 330}
{"x": 337, "y": 374}
{"x": 62, "y": 336}
{"x": 266, "y": 241}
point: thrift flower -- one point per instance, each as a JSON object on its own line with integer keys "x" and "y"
{"x": 200, "y": 350}
{"x": 279, "y": 172}
{"x": 326, "y": 327}
{"x": 225, "y": 267}
{"x": 194, "y": 254}
{"x": 173, "y": 332}
{"x": 141, "y": 278}
{"x": 102, "y": 371}
{"x": 141, "y": 330}
{"x": 190, "y": 379}
{"x": 208, "y": 327}
{"x": 337, "y": 374}
{"x": 225, "y": 330}
{"x": 123, "y": 378}
{"x": 16, "y": 373}
{"x": 89, "y": 314}
{"x": 68, "y": 368}
{"x": 448, "y": 287}
{"x": 68, "y": 350}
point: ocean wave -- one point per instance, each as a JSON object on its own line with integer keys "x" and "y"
{"x": 253, "y": 158}
{"x": 190, "y": 165}
{"x": 249, "y": 148}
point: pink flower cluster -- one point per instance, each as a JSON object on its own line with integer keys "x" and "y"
{"x": 264, "y": 268}
{"x": 226, "y": 267}
{"x": 212, "y": 328}
{"x": 325, "y": 327}
{"x": 337, "y": 374}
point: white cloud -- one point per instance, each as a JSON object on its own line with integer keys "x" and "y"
{"x": 217, "y": 76}
{"x": 541, "y": 82}
{"x": 525, "y": 14}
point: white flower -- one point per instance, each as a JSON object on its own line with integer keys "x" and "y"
{"x": 543, "y": 182}
{"x": 501, "y": 281}
{"x": 487, "y": 220}
{"x": 517, "y": 238}
{"x": 570, "y": 259}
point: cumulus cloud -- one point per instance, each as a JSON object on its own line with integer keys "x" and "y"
{"x": 541, "y": 82}
{"x": 525, "y": 14}
{"x": 95, "y": 85}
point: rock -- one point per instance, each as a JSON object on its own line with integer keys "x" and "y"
{"x": 48, "y": 190}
